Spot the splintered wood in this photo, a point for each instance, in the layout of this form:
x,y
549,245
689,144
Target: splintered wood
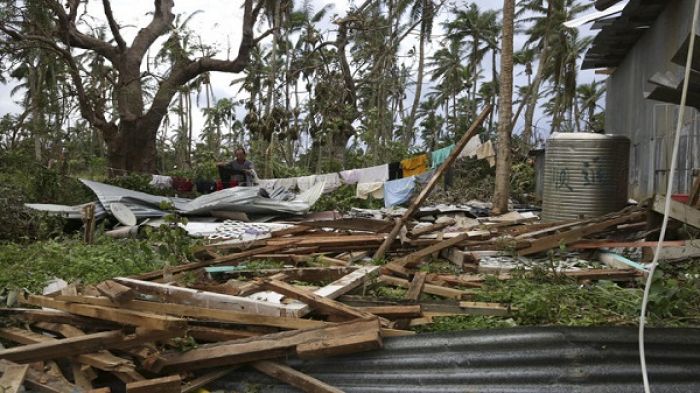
x,y
157,334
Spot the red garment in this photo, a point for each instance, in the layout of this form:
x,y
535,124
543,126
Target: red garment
x,y
180,184
220,185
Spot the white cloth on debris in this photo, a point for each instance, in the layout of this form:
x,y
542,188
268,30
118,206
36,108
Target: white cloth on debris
x,y
305,182
373,174
267,184
470,149
161,182
487,152
373,189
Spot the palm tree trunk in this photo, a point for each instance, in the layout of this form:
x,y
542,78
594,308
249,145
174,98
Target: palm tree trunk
x,y
408,134
534,94
503,159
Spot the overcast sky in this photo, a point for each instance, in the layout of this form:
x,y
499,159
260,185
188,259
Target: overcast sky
x,y
219,25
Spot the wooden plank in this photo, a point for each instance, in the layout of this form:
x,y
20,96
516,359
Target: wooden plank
x,y
126,317
597,244
366,341
481,308
115,291
204,313
423,229
416,287
204,380
412,259
268,346
204,299
315,301
169,384
670,253
83,375
13,378
32,315
392,312
293,377
694,192
678,211
224,259
423,195
554,241
62,348
213,335
427,288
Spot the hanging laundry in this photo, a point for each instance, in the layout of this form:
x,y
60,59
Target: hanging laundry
x,y
332,182
487,152
395,170
379,173
397,192
373,189
350,176
439,156
424,178
305,182
161,182
414,165
471,147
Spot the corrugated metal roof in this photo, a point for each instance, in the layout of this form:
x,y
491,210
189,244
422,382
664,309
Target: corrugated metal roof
x,y
520,360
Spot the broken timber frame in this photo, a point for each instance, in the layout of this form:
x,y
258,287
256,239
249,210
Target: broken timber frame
x,y
415,204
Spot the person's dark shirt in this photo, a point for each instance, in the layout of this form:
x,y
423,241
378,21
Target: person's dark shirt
x,y
238,172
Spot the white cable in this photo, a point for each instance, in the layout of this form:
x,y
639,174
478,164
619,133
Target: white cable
x,y
669,190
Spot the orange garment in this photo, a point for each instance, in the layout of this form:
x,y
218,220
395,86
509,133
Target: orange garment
x,y
415,165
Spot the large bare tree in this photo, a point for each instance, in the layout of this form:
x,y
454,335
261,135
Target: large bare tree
x,y
131,126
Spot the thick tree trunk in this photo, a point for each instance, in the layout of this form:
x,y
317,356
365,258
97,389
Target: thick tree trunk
x,y
503,158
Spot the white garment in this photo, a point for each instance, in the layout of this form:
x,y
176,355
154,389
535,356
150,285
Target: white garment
x,y
332,182
486,152
374,189
470,149
305,182
161,182
350,176
379,173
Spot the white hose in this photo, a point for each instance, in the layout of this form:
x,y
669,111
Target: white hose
x,y
669,190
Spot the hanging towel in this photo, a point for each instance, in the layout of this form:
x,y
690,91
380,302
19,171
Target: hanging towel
x,y
375,189
486,152
397,192
439,156
395,170
379,173
350,176
470,149
305,182
414,165
332,182
424,178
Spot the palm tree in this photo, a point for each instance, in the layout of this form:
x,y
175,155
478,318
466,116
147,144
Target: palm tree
x,y
503,159
447,69
588,95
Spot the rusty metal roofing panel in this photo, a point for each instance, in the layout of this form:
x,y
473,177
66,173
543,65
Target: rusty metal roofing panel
x,y
520,360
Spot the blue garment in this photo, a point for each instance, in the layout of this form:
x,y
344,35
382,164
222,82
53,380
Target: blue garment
x,y
440,155
398,191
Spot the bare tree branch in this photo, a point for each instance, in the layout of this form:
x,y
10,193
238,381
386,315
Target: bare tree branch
x,y
163,18
113,26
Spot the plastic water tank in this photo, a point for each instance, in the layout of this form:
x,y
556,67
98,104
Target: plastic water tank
x,y
585,175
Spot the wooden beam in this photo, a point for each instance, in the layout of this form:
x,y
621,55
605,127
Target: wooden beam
x,y
423,195
679,211
202,313
115,291
416,287
293,377
268,346
62,348
125,317
45,382
367,341
13,378
481,308
427,288
320,303
393,312
411,260
204,299
169,384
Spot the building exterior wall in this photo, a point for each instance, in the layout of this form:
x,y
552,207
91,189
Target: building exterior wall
x,y
650,125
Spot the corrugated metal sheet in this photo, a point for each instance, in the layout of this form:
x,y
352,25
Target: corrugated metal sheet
x,y
585,175
524,360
